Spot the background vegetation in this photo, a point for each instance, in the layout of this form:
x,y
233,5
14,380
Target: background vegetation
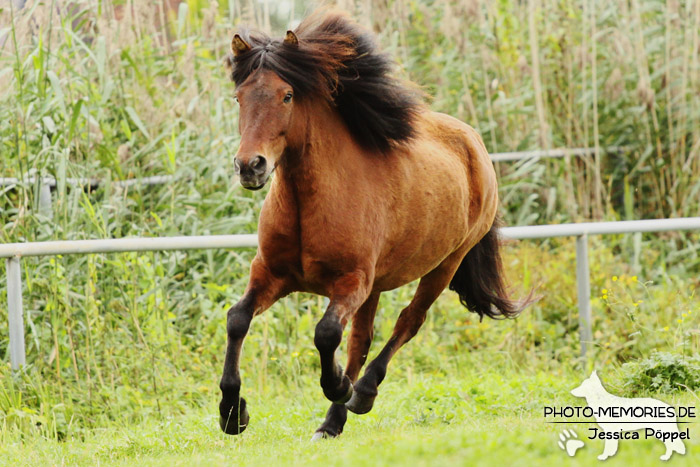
x,y
115,90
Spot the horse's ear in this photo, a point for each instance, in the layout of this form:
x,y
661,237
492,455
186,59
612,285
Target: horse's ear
x,y
291,38
238,45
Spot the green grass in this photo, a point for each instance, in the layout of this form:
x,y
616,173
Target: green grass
x,y
464,418
145,345
124,351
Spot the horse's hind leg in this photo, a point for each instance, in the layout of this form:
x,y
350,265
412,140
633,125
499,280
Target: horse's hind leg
x,y
348,294
409,322
359,341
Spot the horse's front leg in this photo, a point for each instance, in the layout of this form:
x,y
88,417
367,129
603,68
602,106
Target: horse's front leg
x,y
347,294
263,290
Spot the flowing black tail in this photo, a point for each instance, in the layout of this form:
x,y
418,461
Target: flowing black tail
x,y
479,281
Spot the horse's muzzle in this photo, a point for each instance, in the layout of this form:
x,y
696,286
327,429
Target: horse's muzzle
x,y
253,173
253,185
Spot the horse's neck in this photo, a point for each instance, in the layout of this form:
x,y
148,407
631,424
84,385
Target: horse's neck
x,y
322,151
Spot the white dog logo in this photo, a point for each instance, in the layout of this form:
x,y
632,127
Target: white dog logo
x,y
652,417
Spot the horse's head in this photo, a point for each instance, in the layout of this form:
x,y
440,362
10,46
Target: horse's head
x,y
266,103
282,84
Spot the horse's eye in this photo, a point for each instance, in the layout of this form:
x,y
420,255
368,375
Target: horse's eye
x,y
235,98
288,98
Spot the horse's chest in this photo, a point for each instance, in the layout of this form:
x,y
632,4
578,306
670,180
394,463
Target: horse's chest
x,y
314,242
313,254
279,236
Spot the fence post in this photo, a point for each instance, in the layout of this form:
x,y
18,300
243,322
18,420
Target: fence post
x,y
584,293
14,303
45,204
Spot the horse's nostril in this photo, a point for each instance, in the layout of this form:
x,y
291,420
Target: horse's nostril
x,y
258,163
237,165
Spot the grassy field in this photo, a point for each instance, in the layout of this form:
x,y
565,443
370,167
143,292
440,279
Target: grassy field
x,y
467,417
125,351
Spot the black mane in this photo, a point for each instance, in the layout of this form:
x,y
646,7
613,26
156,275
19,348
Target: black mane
x,y
339,61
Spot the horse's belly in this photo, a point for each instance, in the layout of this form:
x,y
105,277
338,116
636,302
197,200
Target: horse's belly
x,y
419,252
416,265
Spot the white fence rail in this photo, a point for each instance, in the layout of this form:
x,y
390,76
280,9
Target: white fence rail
x,y
550,153
15,251
47,183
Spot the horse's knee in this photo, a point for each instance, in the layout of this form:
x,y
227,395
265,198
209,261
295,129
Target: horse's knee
x,y
237,322
329,333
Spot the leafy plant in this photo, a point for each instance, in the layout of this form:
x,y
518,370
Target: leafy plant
x,y
662,372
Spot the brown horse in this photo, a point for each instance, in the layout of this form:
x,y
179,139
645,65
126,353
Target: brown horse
x,y
371,191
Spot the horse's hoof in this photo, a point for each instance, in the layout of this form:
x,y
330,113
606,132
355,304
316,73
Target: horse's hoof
x,y
359,403
347,395
229,423
333,395
319,435
230,427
